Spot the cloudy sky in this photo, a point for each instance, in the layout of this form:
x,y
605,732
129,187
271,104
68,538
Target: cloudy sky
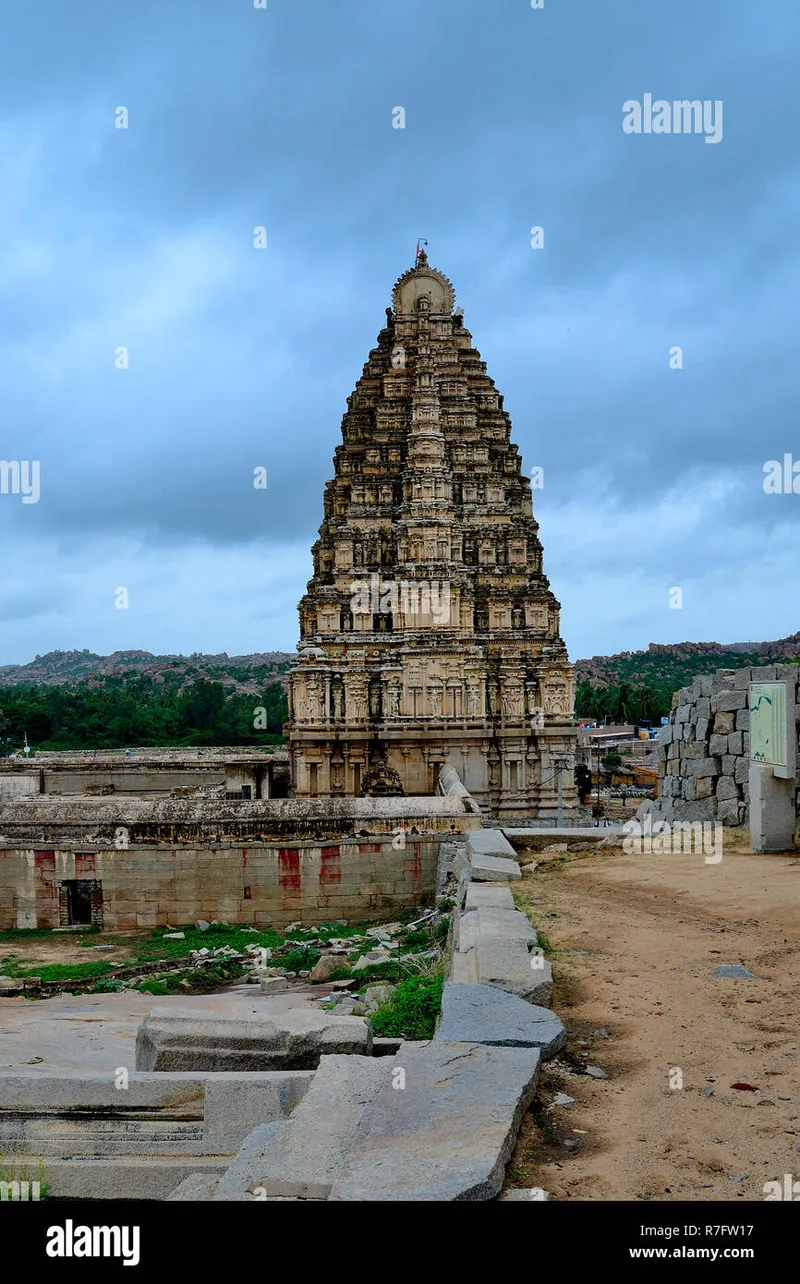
x,y
282,117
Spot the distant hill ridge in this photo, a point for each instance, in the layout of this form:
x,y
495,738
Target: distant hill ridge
x,y
245,673
675,663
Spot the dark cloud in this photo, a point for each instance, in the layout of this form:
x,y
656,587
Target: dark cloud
x,y
143,238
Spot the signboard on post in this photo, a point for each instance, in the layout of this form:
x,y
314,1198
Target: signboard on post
x,y
769,732
773,761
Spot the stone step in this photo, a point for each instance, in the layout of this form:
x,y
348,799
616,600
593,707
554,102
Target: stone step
x,y
174,1039
126,1177
90,1128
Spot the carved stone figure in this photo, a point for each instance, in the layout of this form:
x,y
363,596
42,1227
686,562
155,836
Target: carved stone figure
x,y
337,698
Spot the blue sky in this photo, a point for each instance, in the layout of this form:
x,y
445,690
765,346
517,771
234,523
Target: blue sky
x,y
143,237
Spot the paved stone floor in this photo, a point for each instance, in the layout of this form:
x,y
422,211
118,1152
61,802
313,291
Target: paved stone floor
x,y
97,1032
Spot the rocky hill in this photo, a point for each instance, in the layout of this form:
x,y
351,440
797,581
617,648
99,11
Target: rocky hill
x,y
243,673
675,664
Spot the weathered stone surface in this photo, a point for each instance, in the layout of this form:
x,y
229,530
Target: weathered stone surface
x,y
703,788
767,673
196,1188
742,771
724,723
484,1014
169,1039
735,744
234,1105
718,745
726,788
725,701
701,729
729,812
376,995
324,969
489,842
693,810
449,1133
494,869
743,720
510,966
706,767
523,1194
302,1156
508,925
273,984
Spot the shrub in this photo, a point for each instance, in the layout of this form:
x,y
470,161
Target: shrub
x,y
412,1010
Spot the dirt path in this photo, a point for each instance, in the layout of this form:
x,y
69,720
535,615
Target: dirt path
x,y
635,940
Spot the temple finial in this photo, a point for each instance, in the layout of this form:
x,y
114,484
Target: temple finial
x,y
422,257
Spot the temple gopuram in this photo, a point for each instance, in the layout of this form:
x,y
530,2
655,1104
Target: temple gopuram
x,y
429,633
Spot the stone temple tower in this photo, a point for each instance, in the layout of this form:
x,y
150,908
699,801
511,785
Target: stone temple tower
x,y
429,633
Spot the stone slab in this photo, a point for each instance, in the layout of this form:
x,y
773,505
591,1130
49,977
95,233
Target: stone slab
x,y
234,1106
196,1187
484,1014
448,1133
121,1178
302,1156
488,923
489,842
493,869
488,896
293,1040
510,966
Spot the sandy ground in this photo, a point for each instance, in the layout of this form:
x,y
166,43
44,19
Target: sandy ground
x,y
96,1033
635,941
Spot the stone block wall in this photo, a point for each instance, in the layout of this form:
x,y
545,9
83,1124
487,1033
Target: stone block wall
x,y
271,883
704,760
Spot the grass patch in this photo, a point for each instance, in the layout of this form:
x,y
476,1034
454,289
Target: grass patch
x,y
412,1010
201,980
298,960
60,971
24,933
10,1171
154,947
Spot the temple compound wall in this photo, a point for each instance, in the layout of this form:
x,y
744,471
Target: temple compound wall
x,y
148,772
131,864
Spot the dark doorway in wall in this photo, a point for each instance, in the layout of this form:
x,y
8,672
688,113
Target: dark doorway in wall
x,y
247,792
79,901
